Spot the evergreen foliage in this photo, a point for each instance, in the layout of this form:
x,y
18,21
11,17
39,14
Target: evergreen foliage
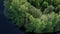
x,y
38,16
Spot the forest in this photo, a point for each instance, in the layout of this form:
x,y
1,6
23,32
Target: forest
x,y
38,16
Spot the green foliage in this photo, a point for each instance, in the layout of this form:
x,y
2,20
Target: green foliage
x,y
38,16
42,4
45,4
35,12
57,9
49,9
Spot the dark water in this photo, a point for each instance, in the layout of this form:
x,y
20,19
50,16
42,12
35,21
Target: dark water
x,y
7,27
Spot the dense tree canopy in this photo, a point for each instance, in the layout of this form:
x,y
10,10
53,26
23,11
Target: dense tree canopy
x,y
38,16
